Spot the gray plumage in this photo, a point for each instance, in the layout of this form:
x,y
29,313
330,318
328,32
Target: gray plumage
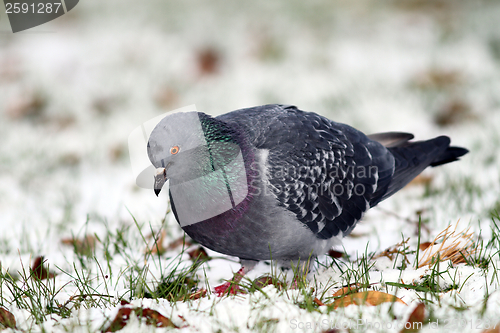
x,y
305,181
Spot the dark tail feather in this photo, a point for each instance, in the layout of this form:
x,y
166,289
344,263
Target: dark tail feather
x,y
411,158
449,155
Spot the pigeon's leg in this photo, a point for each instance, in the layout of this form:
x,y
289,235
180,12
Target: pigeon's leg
x,y
231,287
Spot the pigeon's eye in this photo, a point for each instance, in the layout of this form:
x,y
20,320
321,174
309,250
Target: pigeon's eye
x,y
174,150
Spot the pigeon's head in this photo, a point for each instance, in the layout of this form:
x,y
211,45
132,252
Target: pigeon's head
x,y
189,145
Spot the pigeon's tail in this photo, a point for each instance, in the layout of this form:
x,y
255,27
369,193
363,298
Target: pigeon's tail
x,y
449,155
411,158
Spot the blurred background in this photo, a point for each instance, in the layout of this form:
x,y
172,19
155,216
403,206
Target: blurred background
x,y
72,90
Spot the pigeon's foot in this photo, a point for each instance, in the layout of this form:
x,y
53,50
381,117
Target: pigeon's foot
x,y
231,287
298,282
228,288
295,284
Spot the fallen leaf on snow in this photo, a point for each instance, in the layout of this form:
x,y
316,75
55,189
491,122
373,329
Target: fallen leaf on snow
x,y
318,302
424,246
421,180
335,254
347,290
157,246
7,319
152,317
29,105
437,78
394,251
455,111
179,242
415,320
208,60
39,271
166,97
198,294
267,280
84,246
198,254
370,298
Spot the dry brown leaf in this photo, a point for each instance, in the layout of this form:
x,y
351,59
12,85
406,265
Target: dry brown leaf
x,y
436,78
156,246
39,271
424,246
7,319
199,294
70,159
393,251
62,122
84,246
208,61
318,302
117,152
120,320
495,329
29,105
104,105
263,281
179,242
347,290
152,317
166,97
416,317
267,280
421,180
370,298
455,111
335,254
198,254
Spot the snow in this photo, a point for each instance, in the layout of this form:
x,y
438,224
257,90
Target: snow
x,y
105,68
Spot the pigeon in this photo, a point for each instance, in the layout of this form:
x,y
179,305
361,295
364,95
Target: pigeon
x,y
275,182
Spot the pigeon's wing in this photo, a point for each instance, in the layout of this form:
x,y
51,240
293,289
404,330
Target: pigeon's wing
x,y
324,172
328,174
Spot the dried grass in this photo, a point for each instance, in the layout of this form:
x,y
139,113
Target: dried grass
x,y
449,245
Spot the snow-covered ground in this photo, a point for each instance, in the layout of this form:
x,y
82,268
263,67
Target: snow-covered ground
x,y
72,90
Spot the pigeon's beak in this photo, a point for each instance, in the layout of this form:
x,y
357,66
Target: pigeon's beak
x,y
160,179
